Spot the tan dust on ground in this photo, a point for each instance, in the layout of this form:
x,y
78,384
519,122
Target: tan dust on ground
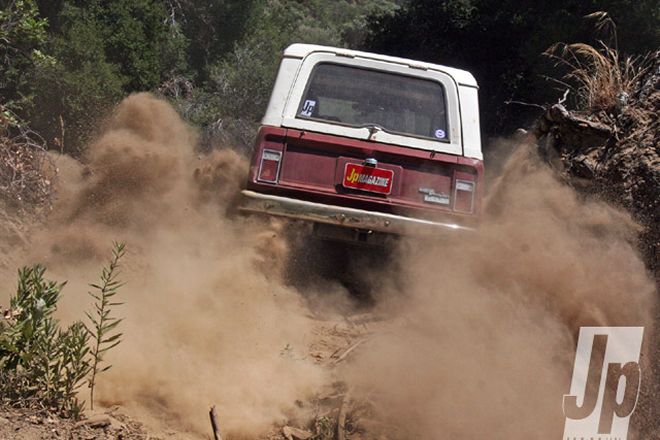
x,y
479,335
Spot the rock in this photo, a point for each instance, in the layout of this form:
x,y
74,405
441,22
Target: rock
x,y
520,133
3,421
95,421
116,424
294,433
582,167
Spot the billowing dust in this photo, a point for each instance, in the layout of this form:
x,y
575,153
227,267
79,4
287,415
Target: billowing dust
x,y
485,341
201,324
480,335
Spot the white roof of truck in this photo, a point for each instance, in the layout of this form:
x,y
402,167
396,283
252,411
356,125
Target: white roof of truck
x,y
462,77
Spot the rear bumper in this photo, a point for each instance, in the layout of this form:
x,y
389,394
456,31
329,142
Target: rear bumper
x,y
254,202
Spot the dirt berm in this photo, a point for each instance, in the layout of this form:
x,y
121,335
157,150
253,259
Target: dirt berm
x,y
615,156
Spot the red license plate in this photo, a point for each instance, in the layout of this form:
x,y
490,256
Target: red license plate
x,y
370,179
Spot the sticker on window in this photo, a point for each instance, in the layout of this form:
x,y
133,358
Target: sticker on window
x,y
308,108
440,133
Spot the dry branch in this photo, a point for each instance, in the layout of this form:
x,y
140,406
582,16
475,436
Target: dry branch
x,y
214,423
349,350
341,418
26,169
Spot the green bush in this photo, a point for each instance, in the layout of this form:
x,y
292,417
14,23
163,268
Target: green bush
x,y
23,38
65,64
42,363
70,97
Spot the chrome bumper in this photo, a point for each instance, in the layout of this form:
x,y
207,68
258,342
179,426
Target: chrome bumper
x,y
254,202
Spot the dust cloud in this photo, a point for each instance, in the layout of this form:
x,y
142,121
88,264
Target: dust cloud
x,y
484,325
480,334
201,324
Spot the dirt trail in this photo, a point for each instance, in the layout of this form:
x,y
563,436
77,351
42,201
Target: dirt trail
x,y
202,324
469,338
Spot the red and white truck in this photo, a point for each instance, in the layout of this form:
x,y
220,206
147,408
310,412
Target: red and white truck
x,y
361,144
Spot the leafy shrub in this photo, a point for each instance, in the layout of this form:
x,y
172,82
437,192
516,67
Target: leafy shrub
x,y
23,38
245,76
71,94
65,64
102,322
42,363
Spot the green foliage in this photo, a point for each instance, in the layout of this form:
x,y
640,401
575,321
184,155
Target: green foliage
x,y
35,301
211,29
84,56
136,36
39,360
103,324
83,59
72,93
42,363
245,76
22,40
66,63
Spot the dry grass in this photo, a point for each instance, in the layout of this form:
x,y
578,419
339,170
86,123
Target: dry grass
x,y
596,75
600,80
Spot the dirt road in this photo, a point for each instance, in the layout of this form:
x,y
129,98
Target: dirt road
x,y
467,337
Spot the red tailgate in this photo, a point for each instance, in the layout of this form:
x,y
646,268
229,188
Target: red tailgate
x,y
350,172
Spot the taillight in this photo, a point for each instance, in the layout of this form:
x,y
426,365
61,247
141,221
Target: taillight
x,y
464,196
270,166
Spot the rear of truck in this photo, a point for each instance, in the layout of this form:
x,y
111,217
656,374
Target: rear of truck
x,y
359,143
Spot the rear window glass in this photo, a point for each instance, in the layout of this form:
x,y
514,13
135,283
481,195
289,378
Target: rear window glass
x,y
360,98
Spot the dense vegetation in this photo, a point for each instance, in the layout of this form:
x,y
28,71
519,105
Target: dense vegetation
x,y
64,63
